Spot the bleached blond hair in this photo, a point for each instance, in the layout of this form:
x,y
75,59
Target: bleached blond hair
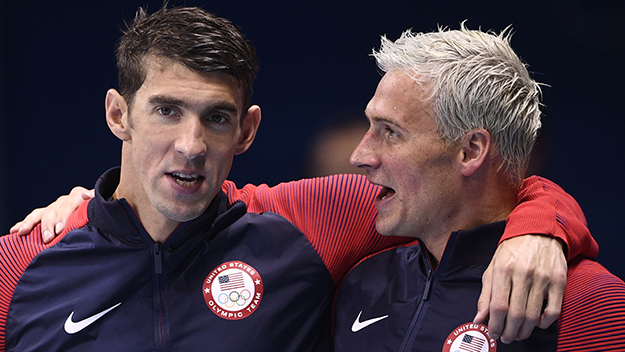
x,y
475,81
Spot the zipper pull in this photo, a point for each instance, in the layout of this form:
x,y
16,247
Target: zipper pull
x,y
158,260
428,283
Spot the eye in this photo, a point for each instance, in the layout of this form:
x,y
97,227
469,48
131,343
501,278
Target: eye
x,y
217,118
391,132
166,111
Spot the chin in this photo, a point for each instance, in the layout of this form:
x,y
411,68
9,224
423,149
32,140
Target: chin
x,y
183,215
383,230
393,229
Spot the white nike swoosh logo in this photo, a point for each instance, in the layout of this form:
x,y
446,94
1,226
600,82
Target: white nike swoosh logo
x,y
359,325
74,327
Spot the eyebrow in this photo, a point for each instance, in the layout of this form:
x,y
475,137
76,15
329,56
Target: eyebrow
x,y
387,121
167,100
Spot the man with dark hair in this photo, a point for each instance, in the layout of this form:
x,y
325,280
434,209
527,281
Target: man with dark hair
x,y
169,256
461,109
214,45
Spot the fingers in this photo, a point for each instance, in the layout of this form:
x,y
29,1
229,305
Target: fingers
x,y
25,226
554,296
87,193
529,305
522,286
483,302
502,286
54,217
15,228
50,227
525,311
525,273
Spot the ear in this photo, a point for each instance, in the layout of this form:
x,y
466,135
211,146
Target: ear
x,y
474,151
251,120
117,115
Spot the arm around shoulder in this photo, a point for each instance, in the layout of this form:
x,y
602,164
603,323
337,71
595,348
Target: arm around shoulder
x,y
545,208
526,270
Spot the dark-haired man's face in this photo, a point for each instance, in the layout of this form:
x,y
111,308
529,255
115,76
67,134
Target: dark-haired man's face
x,y
185,130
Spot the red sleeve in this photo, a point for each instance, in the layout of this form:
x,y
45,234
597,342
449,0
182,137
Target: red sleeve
x,y
593,309
335,213
545,208
17,252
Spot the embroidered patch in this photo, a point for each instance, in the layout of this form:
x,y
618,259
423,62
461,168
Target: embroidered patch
x,y
233,290
470,337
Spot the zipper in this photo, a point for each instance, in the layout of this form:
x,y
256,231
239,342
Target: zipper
x,y
159,336
406,344
428,285
158,258
160,323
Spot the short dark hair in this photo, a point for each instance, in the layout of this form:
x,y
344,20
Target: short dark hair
x,y
190,36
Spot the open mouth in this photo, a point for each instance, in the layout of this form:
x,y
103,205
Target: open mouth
x,y
185,180
386,193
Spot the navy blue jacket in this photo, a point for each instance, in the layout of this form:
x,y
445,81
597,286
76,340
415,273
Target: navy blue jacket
x,y
157,292
394,301
255,272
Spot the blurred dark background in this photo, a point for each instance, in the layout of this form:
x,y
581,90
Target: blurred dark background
x,y
57,61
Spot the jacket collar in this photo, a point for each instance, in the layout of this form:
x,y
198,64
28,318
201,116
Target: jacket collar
x,y
471,248
117,218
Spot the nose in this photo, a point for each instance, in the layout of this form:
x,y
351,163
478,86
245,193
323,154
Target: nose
x,y
364,156
191,142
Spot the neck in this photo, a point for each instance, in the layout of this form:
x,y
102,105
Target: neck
x,y
155,225
480,202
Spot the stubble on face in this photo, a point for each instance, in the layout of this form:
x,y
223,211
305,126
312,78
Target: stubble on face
x,y
185,128
404,154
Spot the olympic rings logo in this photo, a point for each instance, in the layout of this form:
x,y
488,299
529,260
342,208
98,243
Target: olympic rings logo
x,y
234,298
233,290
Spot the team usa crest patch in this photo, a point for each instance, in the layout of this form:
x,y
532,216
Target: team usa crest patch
x,y
470,337
233,290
